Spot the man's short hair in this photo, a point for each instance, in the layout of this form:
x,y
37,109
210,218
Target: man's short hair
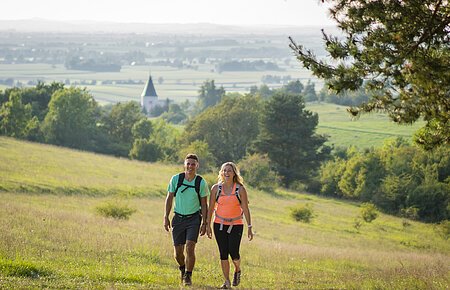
x,y
191,156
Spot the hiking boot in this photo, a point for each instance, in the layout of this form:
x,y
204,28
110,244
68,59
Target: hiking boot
x,y
225,285
187,279
236,278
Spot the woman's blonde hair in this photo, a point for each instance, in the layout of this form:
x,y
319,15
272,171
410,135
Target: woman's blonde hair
x,y
237,178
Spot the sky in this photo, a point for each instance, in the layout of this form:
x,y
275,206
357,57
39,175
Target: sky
x,y
229,12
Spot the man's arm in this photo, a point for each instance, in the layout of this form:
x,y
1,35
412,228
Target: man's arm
x,y
204,206
168,208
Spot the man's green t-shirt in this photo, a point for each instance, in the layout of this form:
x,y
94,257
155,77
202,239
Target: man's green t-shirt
x,y
187,202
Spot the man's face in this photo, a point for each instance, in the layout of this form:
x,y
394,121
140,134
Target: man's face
x,y
190,165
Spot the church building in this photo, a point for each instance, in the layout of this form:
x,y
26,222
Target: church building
x,y
149,98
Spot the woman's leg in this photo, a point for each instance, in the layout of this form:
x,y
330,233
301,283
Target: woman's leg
x,y
225,269
234,243
222,242
237,265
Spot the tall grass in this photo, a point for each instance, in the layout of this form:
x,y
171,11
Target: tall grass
x,y
51,240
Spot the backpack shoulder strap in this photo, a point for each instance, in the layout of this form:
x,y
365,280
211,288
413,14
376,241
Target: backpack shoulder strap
x,y
180,182
219,191
236,192
198,181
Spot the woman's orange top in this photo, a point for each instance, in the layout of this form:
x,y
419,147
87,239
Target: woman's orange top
x,y
228,206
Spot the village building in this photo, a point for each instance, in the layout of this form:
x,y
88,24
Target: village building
x,y
149,98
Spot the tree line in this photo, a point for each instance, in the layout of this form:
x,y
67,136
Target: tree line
x,y
398,178
268,132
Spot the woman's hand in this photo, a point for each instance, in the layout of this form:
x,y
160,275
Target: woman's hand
x,y
208,231
250,234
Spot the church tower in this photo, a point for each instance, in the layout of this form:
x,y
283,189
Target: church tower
x,y
149,98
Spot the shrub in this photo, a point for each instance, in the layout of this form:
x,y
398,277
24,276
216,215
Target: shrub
x,y
114,210
368,212
145,150
19,268
303,213
431,200
257,172
410,213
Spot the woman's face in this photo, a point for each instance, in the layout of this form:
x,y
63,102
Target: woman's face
x,y
228,173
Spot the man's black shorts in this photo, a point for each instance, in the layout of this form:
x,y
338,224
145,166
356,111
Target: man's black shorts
x,y
185,228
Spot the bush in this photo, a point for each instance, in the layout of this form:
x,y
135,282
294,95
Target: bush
x,y
117,211
303,213
368,212
410,213
145,150
257,172
432,200
19,268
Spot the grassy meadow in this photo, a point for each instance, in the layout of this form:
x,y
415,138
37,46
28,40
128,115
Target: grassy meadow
x,y
369,130
53,237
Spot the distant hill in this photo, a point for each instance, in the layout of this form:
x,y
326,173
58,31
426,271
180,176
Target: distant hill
x,y
43,25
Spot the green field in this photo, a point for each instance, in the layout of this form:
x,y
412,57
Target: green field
x,y
52,236
370,130
178,85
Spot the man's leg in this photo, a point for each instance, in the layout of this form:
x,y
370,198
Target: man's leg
x,y
179,255
190,255
192,231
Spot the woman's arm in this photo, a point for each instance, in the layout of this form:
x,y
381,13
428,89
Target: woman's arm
x,y
212,203
246,210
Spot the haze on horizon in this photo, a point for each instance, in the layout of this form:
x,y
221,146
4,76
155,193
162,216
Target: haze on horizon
x,y
228,12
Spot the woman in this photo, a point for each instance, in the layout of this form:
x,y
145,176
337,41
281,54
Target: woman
x,y
229,202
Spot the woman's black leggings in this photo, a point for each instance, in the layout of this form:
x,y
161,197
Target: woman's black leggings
x,y
229,243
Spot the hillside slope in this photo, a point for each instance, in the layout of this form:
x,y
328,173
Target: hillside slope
x,y
52,236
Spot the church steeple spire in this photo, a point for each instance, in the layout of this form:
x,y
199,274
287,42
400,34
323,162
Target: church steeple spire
x,y
149,97
149,89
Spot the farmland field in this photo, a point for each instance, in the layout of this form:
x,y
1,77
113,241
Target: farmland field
x,y
53,237
370,130
177,85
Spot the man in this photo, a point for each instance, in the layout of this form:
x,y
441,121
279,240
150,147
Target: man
x,y
190,192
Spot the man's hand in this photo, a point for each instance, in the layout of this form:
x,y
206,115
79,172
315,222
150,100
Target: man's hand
x,y
203,229
166,223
